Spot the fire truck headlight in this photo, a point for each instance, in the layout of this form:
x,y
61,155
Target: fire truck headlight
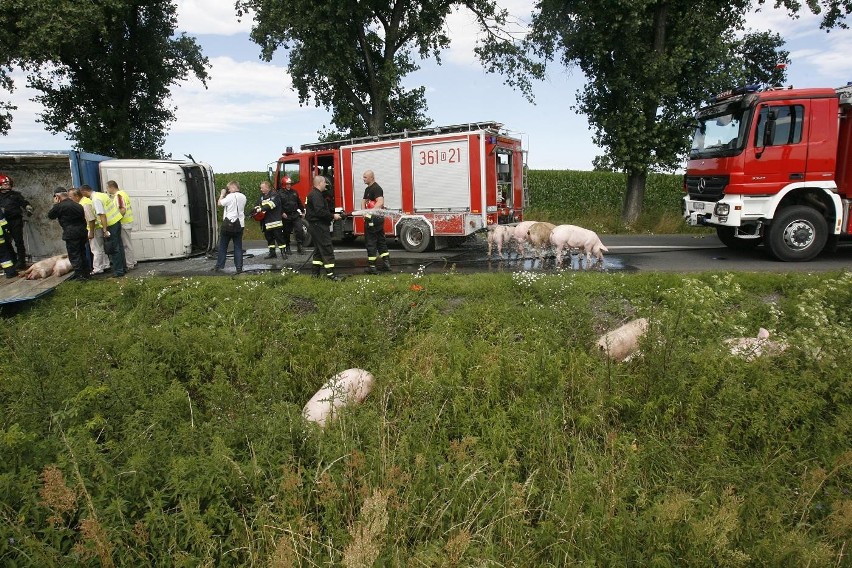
x,y
722,209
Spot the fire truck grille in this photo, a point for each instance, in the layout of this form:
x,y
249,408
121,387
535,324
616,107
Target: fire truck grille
x,y
706,188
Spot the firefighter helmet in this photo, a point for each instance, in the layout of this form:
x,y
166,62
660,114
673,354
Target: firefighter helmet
x,y
4,179
286,180
258,215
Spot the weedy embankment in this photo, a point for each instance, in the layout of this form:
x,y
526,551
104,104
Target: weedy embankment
x,y
158,421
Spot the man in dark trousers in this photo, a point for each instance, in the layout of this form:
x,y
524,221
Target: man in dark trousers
x,y
293,211
75,230
319,216
14,205
374,225
273,225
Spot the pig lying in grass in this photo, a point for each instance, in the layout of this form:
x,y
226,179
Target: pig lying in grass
x,y
574,237
539,237
499,235
521,236
622,343
750,348
43,268
343,389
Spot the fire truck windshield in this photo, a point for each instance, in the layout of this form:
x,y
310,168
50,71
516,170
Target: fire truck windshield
x,y
720,133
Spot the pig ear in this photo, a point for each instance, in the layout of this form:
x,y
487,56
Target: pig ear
x,y
762,334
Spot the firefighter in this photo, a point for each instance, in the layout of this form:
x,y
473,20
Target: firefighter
x,y
14,205
270,203
293,213
319,216
6,262
374,225
259,215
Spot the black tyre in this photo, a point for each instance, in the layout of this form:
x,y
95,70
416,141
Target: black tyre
x,y
728,237
414,235
797,234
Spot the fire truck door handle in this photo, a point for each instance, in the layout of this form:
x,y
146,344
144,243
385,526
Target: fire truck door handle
x,y
797,177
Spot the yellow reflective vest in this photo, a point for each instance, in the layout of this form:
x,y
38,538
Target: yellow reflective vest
x,y
128,210
84,201
113,215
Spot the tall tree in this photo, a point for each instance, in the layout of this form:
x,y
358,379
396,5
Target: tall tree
x,y
104,69
350,57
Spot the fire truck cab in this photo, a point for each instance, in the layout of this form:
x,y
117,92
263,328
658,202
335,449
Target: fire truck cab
x,y
773,167
440,184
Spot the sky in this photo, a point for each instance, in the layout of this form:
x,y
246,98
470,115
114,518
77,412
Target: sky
x,y
249,114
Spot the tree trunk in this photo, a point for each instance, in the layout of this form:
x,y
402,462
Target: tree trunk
x,y
634,197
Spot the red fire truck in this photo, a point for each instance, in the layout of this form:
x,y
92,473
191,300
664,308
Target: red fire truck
x,y
440,184
774,167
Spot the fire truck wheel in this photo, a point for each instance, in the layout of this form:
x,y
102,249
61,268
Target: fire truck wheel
x,y
414,236
797,234
728,237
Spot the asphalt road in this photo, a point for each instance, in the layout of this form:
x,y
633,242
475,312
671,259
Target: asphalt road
x,y
627,253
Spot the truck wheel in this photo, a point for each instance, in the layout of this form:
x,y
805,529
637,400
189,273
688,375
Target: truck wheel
x,y
797,234
414,236
728,237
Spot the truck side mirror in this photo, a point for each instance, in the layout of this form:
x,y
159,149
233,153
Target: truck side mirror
x,y
769,132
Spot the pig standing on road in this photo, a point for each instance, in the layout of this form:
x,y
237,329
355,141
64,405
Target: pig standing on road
x,y
539,237
574,237
499,235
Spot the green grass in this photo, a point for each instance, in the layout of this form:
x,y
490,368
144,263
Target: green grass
x,y
157,421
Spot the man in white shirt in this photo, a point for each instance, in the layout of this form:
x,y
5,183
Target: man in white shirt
x,y
233,223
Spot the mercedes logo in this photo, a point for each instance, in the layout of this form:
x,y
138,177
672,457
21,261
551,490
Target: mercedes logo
x,y
702,185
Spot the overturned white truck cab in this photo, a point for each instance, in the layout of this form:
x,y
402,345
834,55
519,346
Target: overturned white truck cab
x,y
174,201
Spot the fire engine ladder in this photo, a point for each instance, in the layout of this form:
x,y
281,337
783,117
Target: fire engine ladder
x,y
432,131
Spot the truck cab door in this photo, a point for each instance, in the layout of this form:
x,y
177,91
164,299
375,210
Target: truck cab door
x,y
777,153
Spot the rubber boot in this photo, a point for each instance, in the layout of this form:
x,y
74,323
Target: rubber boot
x,y
299,248
271,253
333,277
385,267
371,269
283,252
316,270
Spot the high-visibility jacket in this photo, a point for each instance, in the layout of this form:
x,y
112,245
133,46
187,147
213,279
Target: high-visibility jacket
x,y
128,210
113,215
271,203
5,258
84,201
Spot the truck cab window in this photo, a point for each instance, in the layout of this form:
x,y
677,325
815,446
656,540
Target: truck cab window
x,y
290,170
787,121
719,133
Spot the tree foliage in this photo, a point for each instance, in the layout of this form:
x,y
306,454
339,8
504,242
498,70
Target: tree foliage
x,y
104,69
351,57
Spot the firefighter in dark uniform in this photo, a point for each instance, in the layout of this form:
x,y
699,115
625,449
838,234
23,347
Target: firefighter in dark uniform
x,y
374,225
6,263
270,203
291,203
259,216
14,205
319,216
